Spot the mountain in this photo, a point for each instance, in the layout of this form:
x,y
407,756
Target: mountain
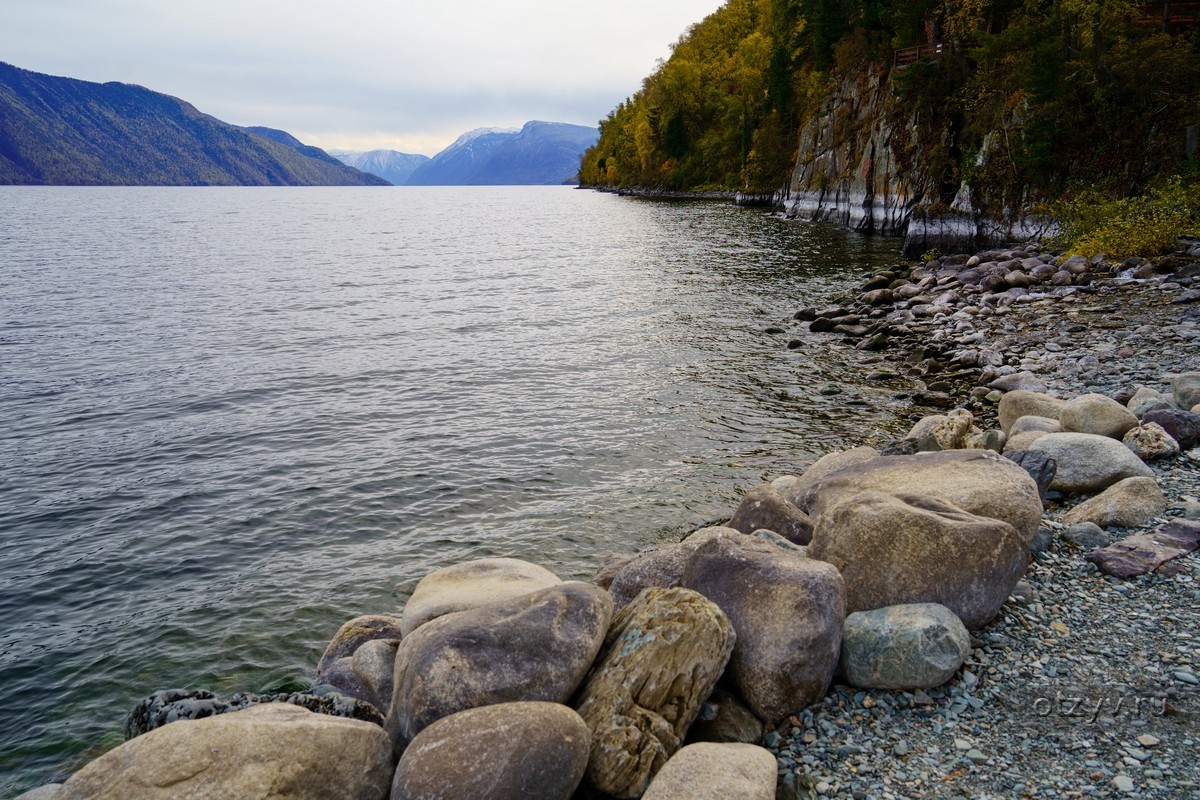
x,y
390,165
65,131
540,153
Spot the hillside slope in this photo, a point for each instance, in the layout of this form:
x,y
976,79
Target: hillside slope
x,y
70,132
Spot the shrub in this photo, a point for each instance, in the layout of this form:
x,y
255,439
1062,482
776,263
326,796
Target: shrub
x,y
1150,224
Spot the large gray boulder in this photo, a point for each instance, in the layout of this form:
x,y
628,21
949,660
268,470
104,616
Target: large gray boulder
x,y
1088,462
709,771
763,507
976,481
472,584
1146,399
1130,503
794,486
787,611
274,750
1015,405
509,751
662,657
895,549
1030,423
535,647
1186,389
915,646
1098,414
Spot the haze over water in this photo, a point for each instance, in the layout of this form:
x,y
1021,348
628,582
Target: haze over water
x,y
235,418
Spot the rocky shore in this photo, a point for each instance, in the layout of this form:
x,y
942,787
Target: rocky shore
x,y
1002,603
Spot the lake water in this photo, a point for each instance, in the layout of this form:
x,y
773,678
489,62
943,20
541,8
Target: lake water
x,y
231,419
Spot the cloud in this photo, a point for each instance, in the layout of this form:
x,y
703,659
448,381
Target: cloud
x,y
392,73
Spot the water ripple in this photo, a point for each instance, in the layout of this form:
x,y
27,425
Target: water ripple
x,y
235,417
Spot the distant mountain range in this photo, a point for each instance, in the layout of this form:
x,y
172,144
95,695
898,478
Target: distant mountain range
x,y
65,131
392,166
543,153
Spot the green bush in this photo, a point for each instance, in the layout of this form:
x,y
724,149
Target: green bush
x,y
1147,225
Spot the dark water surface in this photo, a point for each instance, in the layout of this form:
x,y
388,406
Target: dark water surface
x,y
231,419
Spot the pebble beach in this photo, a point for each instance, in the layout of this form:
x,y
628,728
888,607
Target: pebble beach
x,y
1085,685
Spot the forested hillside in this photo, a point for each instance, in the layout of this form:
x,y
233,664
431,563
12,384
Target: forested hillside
x,y
1057,93
63,131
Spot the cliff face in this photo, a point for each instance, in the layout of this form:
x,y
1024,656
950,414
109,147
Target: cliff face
x,y
862,163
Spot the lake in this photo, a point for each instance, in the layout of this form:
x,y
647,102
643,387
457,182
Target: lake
x,y
231,419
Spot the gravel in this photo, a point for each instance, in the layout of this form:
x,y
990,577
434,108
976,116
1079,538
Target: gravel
x,y
1085,686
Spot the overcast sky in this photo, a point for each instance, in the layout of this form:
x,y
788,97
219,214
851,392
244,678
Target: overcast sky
x,y
360,74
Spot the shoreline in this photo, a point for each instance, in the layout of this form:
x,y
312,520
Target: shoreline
x,y
1078,665
869,743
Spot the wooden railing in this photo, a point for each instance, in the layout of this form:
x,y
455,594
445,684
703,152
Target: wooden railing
x,y
911,55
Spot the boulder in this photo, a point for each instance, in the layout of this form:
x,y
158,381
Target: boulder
x,y
508,751
710,771
612,564
662,657
273,750
1186,389
1020,381
535,647
1039,466
663,567
354,634
954,430
473,584
339,677
792,486
1148,552
1017,404
1085,535
1150,442
895,549
764,507
1088,462
1182,426
915,646
976,481
1021,442
787,611
725,718
1032,423
47,791
1146,399
374,666
1130,503
1097,414
780,542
